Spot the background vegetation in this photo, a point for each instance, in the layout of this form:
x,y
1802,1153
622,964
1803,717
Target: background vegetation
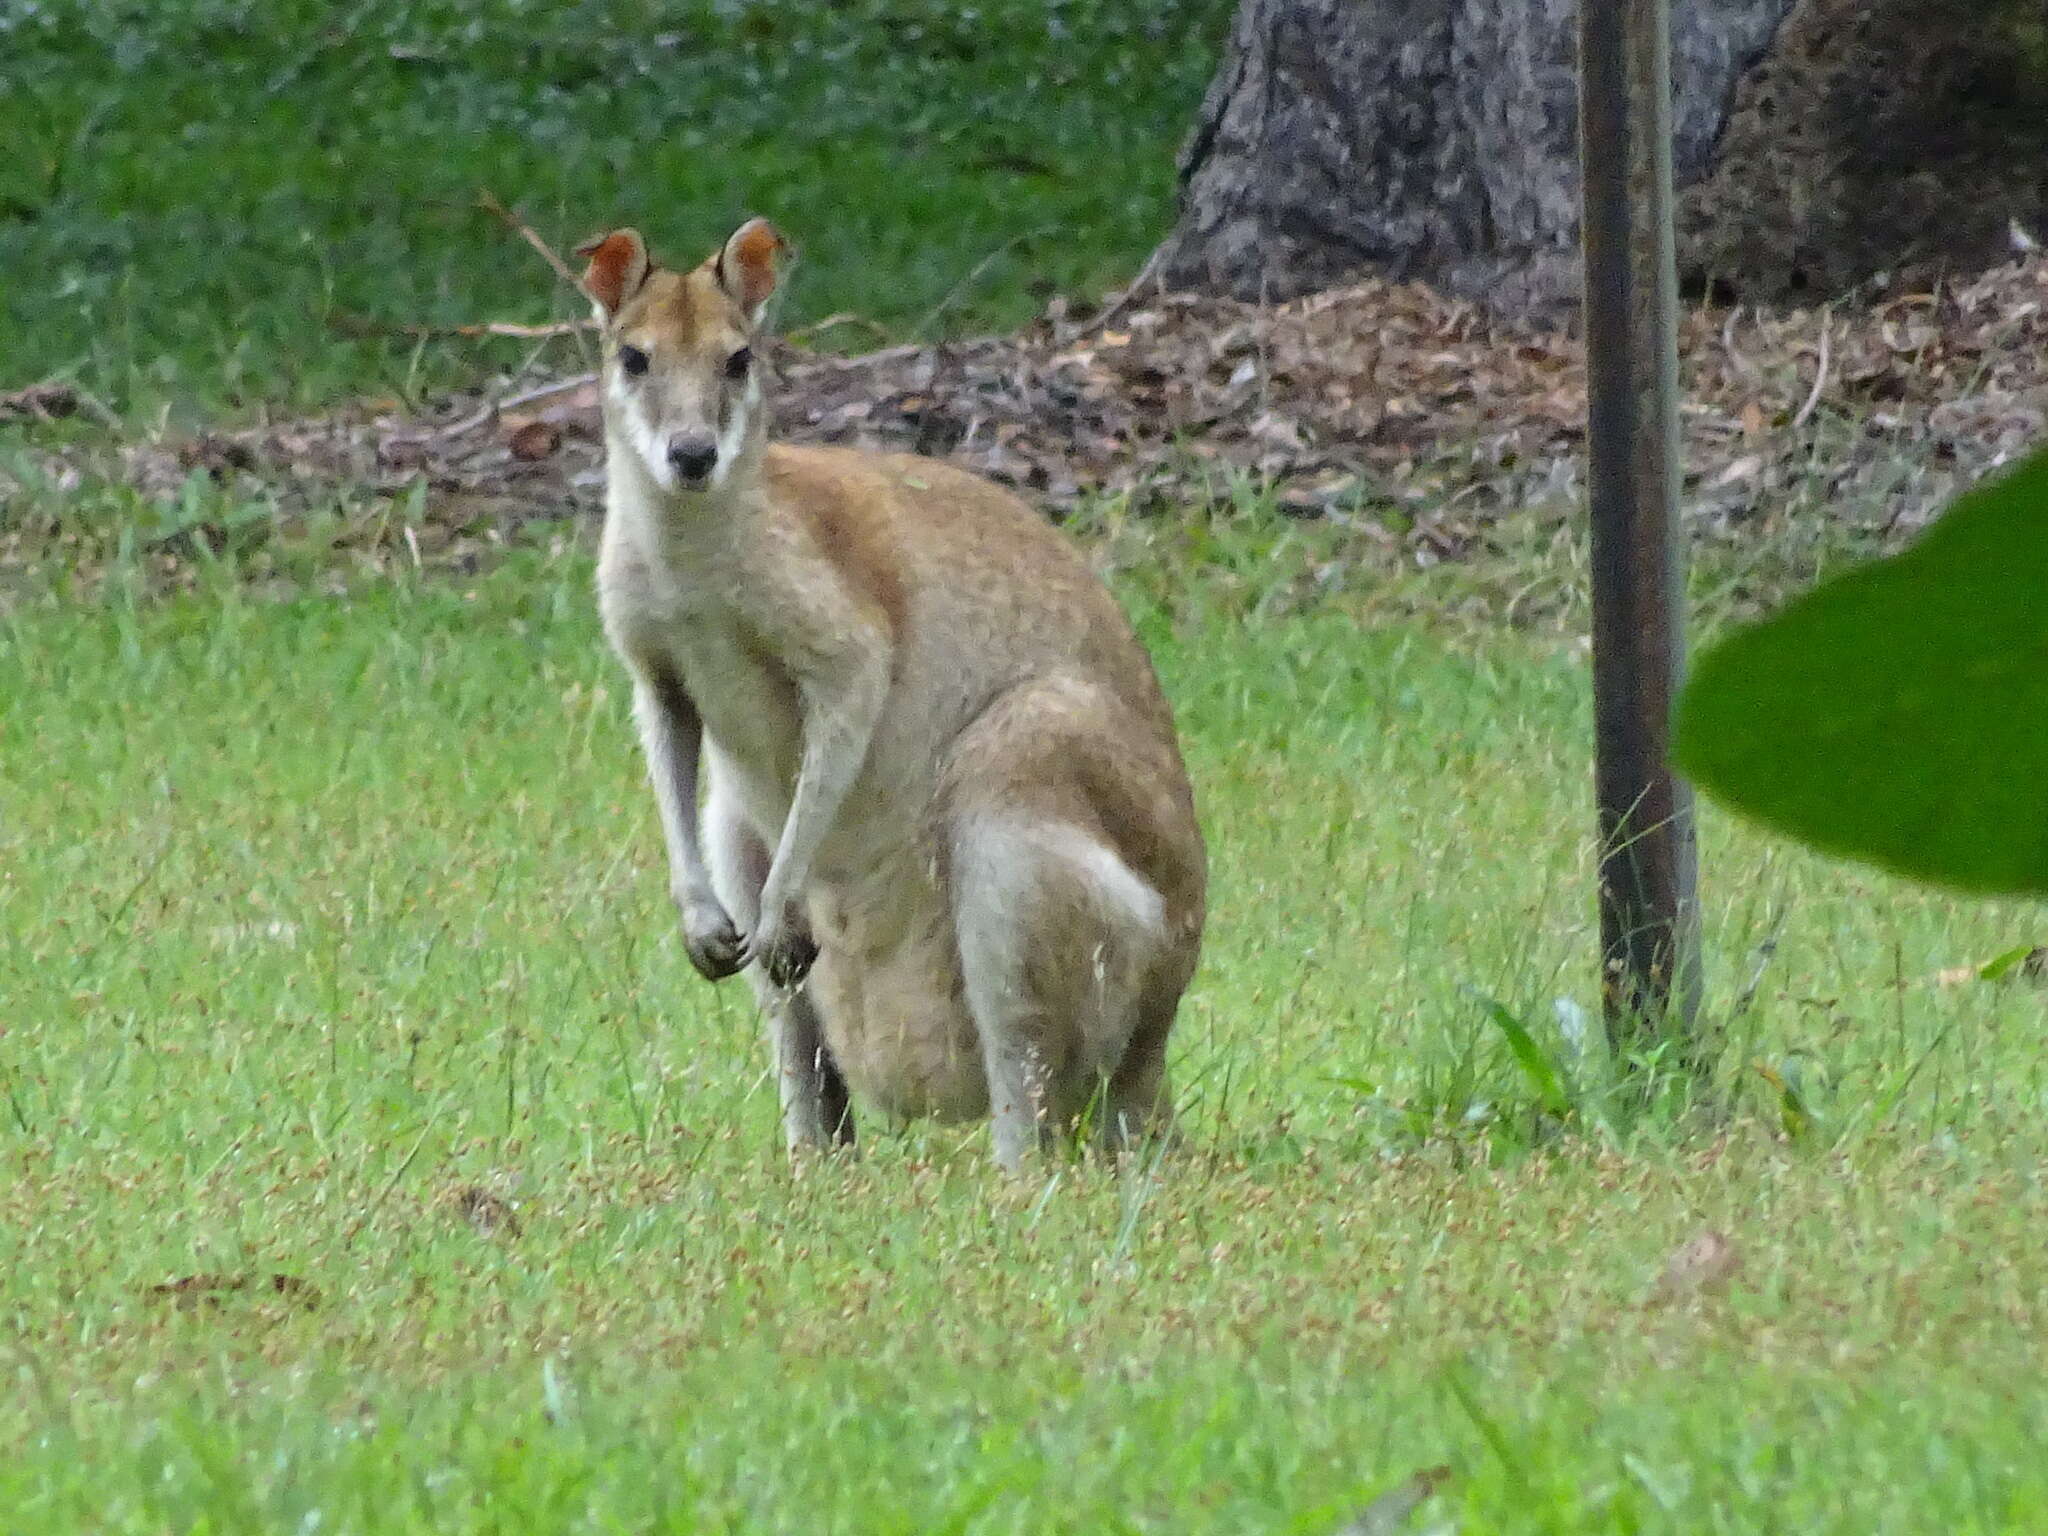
x,y
195,194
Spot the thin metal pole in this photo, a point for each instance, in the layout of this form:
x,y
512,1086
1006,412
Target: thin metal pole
x,y
1649,909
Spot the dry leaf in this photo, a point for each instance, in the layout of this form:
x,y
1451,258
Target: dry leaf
x,y
1704,1263
535,440
1364,380
402,453
486,1212
216,453
39,402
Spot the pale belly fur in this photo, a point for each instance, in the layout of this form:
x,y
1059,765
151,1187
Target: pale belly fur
x,y
887,989
886,983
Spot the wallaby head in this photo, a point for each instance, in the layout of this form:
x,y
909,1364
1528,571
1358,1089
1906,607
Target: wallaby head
x,y
682,391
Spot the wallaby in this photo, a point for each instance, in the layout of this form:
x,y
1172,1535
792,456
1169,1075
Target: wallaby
x,y
946,829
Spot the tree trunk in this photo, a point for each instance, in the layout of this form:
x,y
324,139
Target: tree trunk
x,y
1437,139
1876,136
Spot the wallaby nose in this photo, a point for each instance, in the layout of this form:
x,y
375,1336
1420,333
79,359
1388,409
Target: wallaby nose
x,y
692,457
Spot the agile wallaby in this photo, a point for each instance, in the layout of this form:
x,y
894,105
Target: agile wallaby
x,y
946,828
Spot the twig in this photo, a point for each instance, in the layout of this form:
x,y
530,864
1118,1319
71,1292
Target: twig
x,y
491,410
526,364
392,1182
1262,334
363,325
1820,375
1764,951
844,317
974,274
490,204
488,201
1736,357
863,360
1148,273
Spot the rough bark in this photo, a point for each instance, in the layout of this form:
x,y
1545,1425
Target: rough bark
x,y
1438,139
1877,137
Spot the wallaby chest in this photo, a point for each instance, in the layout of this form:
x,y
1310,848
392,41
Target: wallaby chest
x,y
747,701
698,636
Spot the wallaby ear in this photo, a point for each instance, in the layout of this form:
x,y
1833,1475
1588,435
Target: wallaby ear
x,y
618,266
746,265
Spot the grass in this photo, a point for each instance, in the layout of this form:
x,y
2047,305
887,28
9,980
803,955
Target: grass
x,y
196,194
322,914
332,917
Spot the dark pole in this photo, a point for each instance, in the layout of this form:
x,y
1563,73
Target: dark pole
x,y
1649,912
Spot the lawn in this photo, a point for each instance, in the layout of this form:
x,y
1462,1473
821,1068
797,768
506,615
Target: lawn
x,y
337,949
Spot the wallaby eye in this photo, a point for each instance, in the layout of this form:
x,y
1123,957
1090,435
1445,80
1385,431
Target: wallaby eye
x,y
633,360
736,365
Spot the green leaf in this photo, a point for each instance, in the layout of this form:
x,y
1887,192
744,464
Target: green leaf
x,y
1899,713
1998,965
1534,1061
1793,1113
1364,1087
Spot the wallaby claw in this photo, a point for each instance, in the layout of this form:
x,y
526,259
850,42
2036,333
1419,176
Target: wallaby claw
x,y
786,955
713,943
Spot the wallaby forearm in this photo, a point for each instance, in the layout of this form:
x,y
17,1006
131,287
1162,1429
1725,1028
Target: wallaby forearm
x,y
672,736
839,724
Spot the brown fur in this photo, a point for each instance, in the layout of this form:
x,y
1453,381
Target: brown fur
x,y
856,546
943,776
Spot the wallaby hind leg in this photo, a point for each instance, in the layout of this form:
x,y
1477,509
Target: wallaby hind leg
x,y
1054,932
816,1110
1137,1102
995,893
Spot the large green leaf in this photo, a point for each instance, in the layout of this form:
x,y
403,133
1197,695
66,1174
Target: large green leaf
x,y
1899,713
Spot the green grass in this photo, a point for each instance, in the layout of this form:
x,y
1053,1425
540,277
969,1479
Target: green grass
x,y
319,912
193,191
